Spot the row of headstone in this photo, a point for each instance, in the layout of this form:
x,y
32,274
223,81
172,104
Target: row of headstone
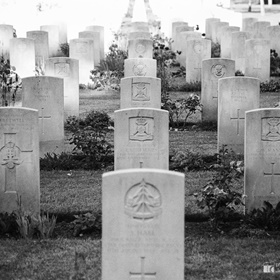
x,y
143,206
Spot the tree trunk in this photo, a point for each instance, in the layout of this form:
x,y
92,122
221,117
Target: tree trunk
x,y
262,7
250,6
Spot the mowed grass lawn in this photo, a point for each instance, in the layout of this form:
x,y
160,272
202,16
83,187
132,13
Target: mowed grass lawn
x,y
208,254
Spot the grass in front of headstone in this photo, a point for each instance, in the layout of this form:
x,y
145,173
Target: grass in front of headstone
x,y
209,254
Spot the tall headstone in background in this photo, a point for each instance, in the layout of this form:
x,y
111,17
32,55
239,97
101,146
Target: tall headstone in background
x,y
139,35
143,224
274,38
54,43
140,92
142,26
45,94
138,48
212,70
41,43
68,69
82,50
196,51
62,32
238,49
177,39
6,34
22,56
141,138
208,27
257,59
100,30
140,67
247,25
259,30
216,25
183,38
174,26
95,36
236,95
262,152
19,160
226,37
219,31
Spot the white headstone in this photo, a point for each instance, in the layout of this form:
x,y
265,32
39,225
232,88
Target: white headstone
x,y
238,49
274,37
174,26
236,95
82,49
22,56
219,31
259,30
139,26
140,67
212,70
226,44
19,160
143,225
68,69
247,25
95,36
141,138
262,151
140,92
53,30
100,29
41,42
177,39
140,48
215,26
196,51
257,59
6,34
139,35
208,27
45,94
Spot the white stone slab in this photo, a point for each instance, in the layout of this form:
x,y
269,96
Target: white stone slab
x,y
238,49
235,96
95,36
139,35
226,44
68,69
247,25
144,67
274,37
6,34
260,30
215,26
53,30
141,138
262,152
208,27
45,94
22,56
196,51
212,70
219,31
82,49
140,92
41,43
19,160
174,25
100,30
139,26
257,59
140,48
143,225
177,38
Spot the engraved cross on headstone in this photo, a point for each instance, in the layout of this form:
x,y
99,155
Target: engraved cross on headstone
x,y
272,174
43,117
238,118
142,275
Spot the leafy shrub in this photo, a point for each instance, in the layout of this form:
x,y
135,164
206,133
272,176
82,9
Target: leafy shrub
x,y
218,195
64,49
180,109
8,225
271,86
274,63
267,218
186,87
215,50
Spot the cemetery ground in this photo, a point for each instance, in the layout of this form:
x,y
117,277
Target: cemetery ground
x,y
209,253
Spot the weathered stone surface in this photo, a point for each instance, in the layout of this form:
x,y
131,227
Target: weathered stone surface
x,y
143,67
226,40
6,34
53,31
208,27
260,30
140,48
100,29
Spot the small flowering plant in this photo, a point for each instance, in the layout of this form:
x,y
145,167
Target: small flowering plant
x,y
219,195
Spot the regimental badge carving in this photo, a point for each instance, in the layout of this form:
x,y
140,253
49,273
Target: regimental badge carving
x,y
62,69
140,49
11,155
139,69
143,201
81,47
197,47
141,128
141,92
218,70
270,129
